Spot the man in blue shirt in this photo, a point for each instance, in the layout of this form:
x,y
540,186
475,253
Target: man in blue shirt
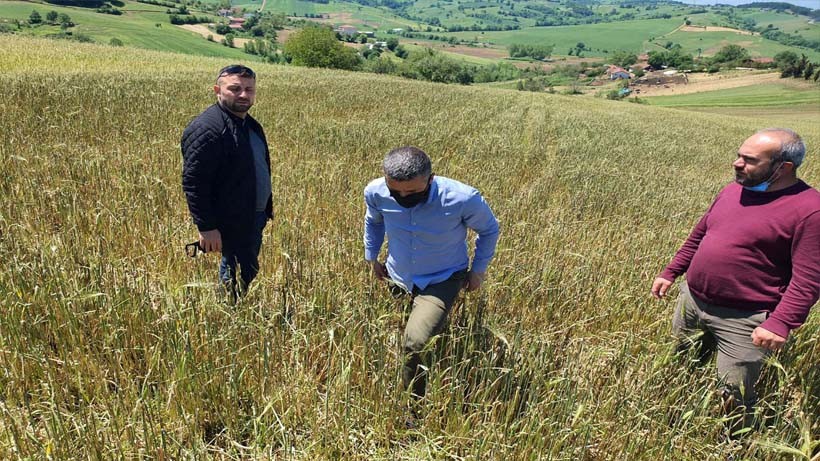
x,y
426,218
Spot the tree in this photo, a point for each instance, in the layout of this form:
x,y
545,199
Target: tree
x,y
65,21
623,58
401,52
392,43
786,61
731,54
115,42
809,71
52,16
229,40
316,46
35,18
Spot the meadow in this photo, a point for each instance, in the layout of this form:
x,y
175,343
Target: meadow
x,y
136,27
777,94
113,344
598,38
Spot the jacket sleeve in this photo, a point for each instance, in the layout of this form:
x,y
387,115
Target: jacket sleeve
x,y
200,154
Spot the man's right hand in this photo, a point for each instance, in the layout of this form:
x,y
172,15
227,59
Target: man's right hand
x,y
660,287
211,241
379,271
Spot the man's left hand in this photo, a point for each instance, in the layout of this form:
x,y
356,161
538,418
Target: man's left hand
x,y
474,280
762,337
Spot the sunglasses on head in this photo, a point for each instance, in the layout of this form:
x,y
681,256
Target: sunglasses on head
x,y
237,69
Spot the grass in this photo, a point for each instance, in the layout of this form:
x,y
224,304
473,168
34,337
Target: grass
x,y
626,35
711,42
113,344
770,95
137,27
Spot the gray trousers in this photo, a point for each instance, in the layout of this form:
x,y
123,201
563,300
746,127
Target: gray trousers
x,y
728,332
428,316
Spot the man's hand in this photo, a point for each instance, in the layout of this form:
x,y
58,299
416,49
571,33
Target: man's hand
x,y
660,287
762,337
474,280
211,241
379,271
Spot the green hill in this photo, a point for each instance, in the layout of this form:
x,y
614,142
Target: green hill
x,y
141,25
114,345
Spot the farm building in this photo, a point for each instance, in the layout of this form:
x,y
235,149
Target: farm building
x,y
616,73
236,23
347,30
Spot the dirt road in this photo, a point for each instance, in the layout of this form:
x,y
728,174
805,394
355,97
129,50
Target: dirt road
x,y
203,30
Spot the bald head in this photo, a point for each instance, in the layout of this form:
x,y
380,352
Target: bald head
x,y
784,144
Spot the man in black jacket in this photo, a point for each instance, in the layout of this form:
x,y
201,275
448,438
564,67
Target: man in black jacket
x,y
226,177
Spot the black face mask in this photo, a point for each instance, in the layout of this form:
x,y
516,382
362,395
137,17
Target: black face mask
x,y
411,200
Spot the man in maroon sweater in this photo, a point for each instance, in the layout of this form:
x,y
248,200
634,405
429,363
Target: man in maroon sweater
x,y
752,264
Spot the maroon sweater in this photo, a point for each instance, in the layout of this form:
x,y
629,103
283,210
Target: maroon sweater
x,y
757,251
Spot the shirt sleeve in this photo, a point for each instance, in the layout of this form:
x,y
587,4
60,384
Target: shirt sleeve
x,y
479,217
804,288
373,228
680,263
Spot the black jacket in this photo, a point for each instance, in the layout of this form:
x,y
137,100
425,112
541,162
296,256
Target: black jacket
x,y
218,175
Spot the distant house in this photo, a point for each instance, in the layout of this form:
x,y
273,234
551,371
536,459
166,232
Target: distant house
x,y
236,23
224,12
381,44
397,30
347,30
617,73
368,33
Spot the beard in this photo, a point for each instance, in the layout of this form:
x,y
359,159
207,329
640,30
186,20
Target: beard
x,y
753,180
237,106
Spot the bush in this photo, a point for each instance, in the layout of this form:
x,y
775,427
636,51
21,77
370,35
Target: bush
x,y
530,51
35,18
381,65
115,42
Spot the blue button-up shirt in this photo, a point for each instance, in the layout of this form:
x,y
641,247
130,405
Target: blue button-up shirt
x,y
427,243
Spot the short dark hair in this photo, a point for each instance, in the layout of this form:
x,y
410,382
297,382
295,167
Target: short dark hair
x,y
236,69
406,163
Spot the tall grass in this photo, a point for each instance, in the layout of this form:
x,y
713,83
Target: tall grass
x,y
114,346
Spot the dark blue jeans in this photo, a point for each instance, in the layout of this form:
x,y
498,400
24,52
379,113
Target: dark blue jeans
x,y
245,255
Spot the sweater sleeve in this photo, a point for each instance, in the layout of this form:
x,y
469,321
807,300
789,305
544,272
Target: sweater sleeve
x,y
680,263
804,288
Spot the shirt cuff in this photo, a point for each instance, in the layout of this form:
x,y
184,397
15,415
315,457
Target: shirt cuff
x,y
370,254
775,326
479,266
668,275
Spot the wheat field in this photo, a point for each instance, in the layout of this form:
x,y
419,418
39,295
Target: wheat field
x,y
113,344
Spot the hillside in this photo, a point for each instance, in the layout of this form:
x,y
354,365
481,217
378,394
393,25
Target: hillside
x,y
114,345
